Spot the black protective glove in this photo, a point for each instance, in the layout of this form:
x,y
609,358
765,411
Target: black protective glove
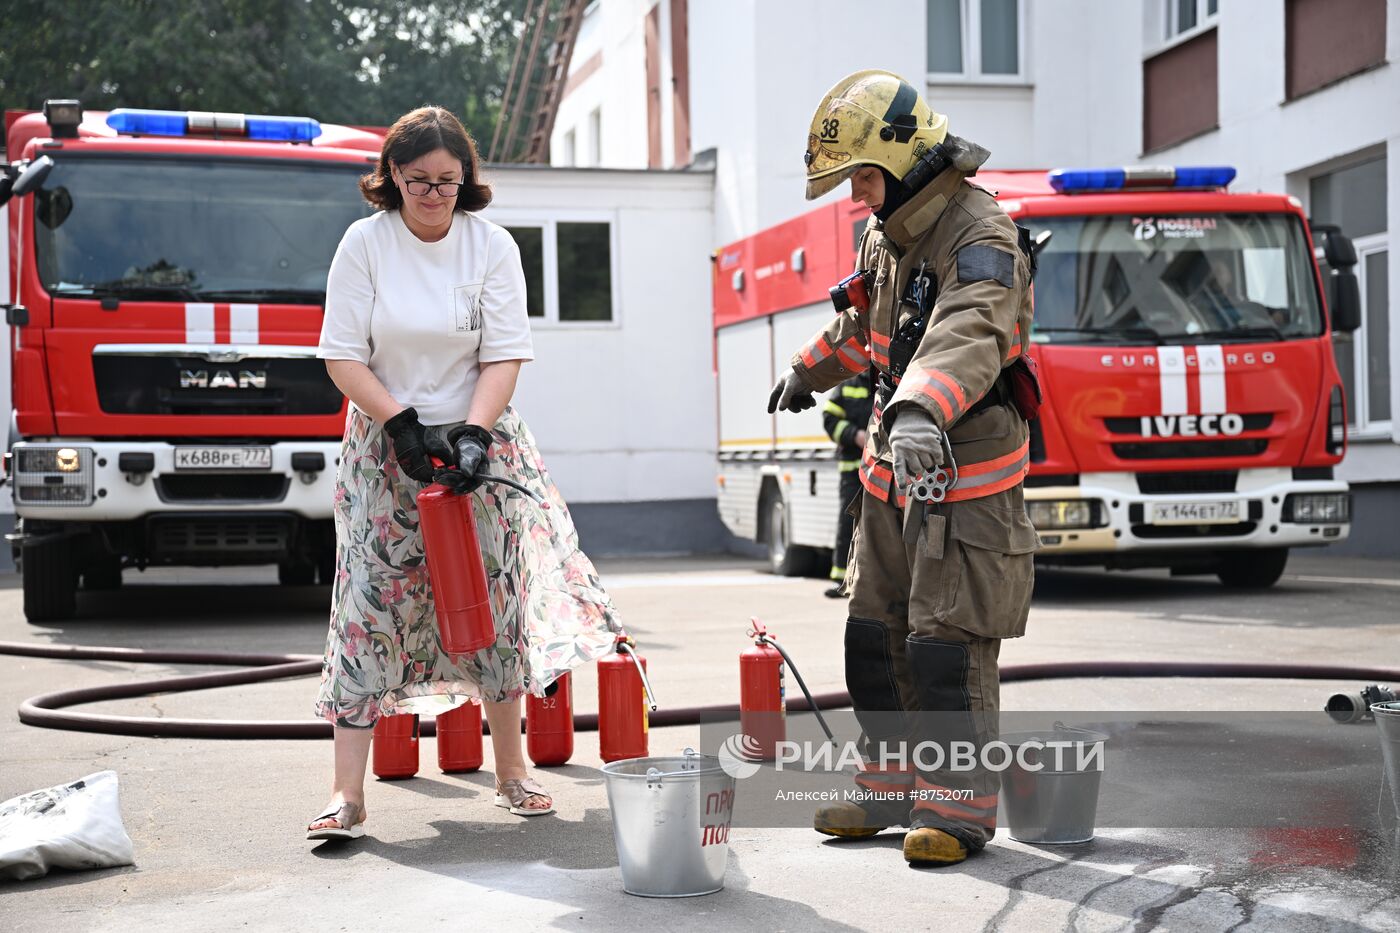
x,y
462,449
407,442
791,394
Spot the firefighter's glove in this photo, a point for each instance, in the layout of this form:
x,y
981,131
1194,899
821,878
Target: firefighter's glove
x,y
406,438
917,445
791,394
462,448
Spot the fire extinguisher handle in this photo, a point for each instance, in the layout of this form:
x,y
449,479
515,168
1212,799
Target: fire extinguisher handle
x,y
626,649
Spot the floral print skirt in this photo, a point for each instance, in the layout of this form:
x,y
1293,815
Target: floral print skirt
x,y
384,655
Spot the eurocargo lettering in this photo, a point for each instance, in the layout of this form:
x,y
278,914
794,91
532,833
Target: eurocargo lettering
x,y
167,277
1193,413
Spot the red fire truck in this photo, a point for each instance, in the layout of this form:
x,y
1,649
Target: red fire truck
x,y
1194,412
166,273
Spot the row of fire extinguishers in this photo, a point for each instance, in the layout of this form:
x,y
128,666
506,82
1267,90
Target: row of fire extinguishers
x,y
462,601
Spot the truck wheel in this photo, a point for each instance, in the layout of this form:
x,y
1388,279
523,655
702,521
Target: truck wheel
x,y
296,573
1253,570
785,559
103,574
50,581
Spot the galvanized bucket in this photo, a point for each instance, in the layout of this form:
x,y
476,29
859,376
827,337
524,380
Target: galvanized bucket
x,y
670,820
1388,725
1056,804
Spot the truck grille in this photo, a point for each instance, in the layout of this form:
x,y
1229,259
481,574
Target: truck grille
x,y
1254,422
1174,450
222,538
1201,481
222,489
190,385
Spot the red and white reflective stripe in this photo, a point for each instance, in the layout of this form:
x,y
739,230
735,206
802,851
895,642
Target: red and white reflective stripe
x,y
943,389
1173,374
211,323
880,349
890,780
853,355
987,477
954,806
816,351
199,323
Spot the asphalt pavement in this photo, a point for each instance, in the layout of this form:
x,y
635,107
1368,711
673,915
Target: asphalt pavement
x,y
218,826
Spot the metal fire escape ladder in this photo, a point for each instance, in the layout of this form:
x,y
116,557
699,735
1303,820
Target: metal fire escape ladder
x,y
536,82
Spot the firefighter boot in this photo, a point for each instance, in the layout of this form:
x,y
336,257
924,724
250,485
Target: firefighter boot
x,y
924,845
846,820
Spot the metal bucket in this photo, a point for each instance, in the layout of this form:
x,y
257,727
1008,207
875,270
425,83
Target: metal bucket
x,y
1388,725
1054,805
670,820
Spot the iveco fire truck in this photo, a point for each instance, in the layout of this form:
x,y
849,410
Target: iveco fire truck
x,y
166,276
1194,413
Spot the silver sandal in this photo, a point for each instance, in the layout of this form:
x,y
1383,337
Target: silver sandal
x,y
345,814
512,795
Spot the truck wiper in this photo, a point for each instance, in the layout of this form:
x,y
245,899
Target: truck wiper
x,y
1127,333
303,296
1255,331
132,291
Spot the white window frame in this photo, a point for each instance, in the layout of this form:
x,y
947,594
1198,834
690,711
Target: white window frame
x,y
570,153
549,222
971,21
1359,406
1170,36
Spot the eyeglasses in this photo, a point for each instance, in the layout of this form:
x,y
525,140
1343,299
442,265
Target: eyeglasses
x,y
448,189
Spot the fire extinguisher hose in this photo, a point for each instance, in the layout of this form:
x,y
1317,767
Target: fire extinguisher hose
x,y
50,710
764,638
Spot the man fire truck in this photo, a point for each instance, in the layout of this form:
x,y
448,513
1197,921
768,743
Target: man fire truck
x,y
166,276
1193,410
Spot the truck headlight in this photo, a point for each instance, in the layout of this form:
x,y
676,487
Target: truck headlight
x,y
1317,508
1065,513
53,475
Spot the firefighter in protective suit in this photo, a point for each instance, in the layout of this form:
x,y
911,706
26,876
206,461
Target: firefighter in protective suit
x,y
935,586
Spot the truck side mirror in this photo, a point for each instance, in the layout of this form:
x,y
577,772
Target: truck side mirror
x,y
1345,300
30,178
1343,290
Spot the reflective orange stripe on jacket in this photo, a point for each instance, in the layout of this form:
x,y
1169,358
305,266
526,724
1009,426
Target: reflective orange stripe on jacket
x,y
880,349
853,355
943,389
975,480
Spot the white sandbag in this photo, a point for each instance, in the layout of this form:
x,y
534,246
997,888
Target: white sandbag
x,y
74,826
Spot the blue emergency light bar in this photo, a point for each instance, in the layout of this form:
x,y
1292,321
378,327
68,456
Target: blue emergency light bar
x,y
132,122
1087,180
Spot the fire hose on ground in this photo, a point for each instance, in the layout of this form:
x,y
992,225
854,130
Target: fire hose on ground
x,y
51,710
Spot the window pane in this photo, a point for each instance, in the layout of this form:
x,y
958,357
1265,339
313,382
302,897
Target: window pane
x,y
1345,351
1212,7
1352,198
999,38
531,243
1185,15
1377,337
585,272
945,36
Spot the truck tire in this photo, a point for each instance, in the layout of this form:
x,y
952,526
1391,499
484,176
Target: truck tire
x,y
1253,570
785,559
50,581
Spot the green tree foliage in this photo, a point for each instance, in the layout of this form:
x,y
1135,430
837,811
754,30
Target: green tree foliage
x,y
335,60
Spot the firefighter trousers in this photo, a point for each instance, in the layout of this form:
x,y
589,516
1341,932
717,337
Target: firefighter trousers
x,y
850,489
928,612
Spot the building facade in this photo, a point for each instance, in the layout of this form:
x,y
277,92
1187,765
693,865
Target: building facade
x,y
1300,96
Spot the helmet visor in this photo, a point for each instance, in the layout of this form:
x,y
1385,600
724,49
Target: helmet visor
x,y
816,187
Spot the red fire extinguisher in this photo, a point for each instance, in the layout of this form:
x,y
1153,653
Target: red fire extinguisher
x,y
395,747
460,593
459,739
762,696
549,724
624,699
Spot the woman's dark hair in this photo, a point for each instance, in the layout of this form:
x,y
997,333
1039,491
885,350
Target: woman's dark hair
x,y
416,134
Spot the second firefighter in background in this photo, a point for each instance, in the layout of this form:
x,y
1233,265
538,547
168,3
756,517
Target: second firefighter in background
x,y
934,589
845,418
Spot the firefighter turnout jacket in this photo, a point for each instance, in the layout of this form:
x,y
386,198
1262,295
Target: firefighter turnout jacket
x,y
846,414
976,280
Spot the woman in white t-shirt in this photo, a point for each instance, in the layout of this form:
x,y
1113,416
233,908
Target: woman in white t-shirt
x,y
425,331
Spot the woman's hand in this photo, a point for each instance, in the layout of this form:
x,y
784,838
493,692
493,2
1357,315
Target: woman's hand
x,y
406,437
463,451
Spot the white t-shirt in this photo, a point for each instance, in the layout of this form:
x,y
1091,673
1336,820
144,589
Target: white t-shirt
x,y
423,316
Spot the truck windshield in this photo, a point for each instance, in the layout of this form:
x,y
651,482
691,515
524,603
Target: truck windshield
x,y
1174,279
185,230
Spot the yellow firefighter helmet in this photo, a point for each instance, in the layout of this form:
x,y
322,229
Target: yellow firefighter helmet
x,y
869,118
